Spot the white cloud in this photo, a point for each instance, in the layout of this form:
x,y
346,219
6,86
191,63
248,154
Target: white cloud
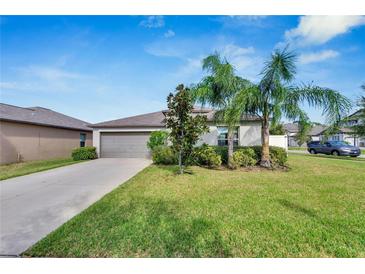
x,y
246,63
315,57
232,51
49,73
170,33
34,78
243,20
22,86
8,85
171,48
190,70
155,21
317,30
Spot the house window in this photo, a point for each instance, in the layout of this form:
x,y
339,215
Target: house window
x,y
223,136
335,137
82,139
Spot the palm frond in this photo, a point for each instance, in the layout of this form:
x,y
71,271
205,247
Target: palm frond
x,y
334,105
280,67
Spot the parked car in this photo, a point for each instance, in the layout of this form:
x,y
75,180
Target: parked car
x,y
337,148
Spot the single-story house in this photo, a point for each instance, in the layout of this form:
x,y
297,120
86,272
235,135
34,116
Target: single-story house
x,y
292,130
127,137
36,133
345,133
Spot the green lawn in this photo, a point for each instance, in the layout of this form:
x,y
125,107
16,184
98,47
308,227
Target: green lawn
x,y
316,209
305,148
19,169
297,148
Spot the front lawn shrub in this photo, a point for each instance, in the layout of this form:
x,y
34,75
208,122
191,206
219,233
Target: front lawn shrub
x,y
157,138
244,157
206,156
84,153
164,155
223,152
278,155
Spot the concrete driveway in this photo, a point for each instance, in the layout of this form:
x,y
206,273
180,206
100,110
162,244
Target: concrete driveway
x,y
34,205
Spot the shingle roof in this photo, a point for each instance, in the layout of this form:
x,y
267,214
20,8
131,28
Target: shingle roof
x,y
40,116
293,128
317,130
154,119
157,119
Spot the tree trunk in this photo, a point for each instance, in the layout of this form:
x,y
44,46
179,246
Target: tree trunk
x,y
230,147
181,171
265,151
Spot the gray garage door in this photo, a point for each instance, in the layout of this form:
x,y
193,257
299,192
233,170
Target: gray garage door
x,y
124,144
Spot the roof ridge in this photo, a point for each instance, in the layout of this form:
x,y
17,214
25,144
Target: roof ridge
x,y
26,108
139,115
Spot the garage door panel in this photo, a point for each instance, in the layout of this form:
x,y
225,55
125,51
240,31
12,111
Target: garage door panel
x,y
124,145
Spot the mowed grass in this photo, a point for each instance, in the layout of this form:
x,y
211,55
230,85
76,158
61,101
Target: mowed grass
x,y
316,209
297,148
348,158
19,169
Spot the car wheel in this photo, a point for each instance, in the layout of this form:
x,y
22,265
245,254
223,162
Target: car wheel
x,y
312,151
335,153
353,156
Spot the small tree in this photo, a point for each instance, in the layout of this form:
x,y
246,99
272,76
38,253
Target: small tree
x,y
304,127
185,129
277,129
157,138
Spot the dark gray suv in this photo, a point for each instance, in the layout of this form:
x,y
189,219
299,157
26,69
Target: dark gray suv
x,y
333,147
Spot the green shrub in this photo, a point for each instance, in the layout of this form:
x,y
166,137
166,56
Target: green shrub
x,y
244,157
206,156
84,153
278,155
223,152
164,155
157,138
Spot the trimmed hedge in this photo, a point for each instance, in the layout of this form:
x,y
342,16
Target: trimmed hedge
x,y
84,153
278,155
206,156
164,155
244,157
214,156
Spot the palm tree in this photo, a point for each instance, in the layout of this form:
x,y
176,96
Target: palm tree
x,y
275,96
219,89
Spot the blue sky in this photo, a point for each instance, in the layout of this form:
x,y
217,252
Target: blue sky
x,y
98,68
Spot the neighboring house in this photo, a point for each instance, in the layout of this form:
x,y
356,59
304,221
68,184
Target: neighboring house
x,y
345,133
292,130
127,137
37,133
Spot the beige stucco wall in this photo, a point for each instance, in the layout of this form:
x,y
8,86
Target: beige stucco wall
x,y
37,142
249,134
